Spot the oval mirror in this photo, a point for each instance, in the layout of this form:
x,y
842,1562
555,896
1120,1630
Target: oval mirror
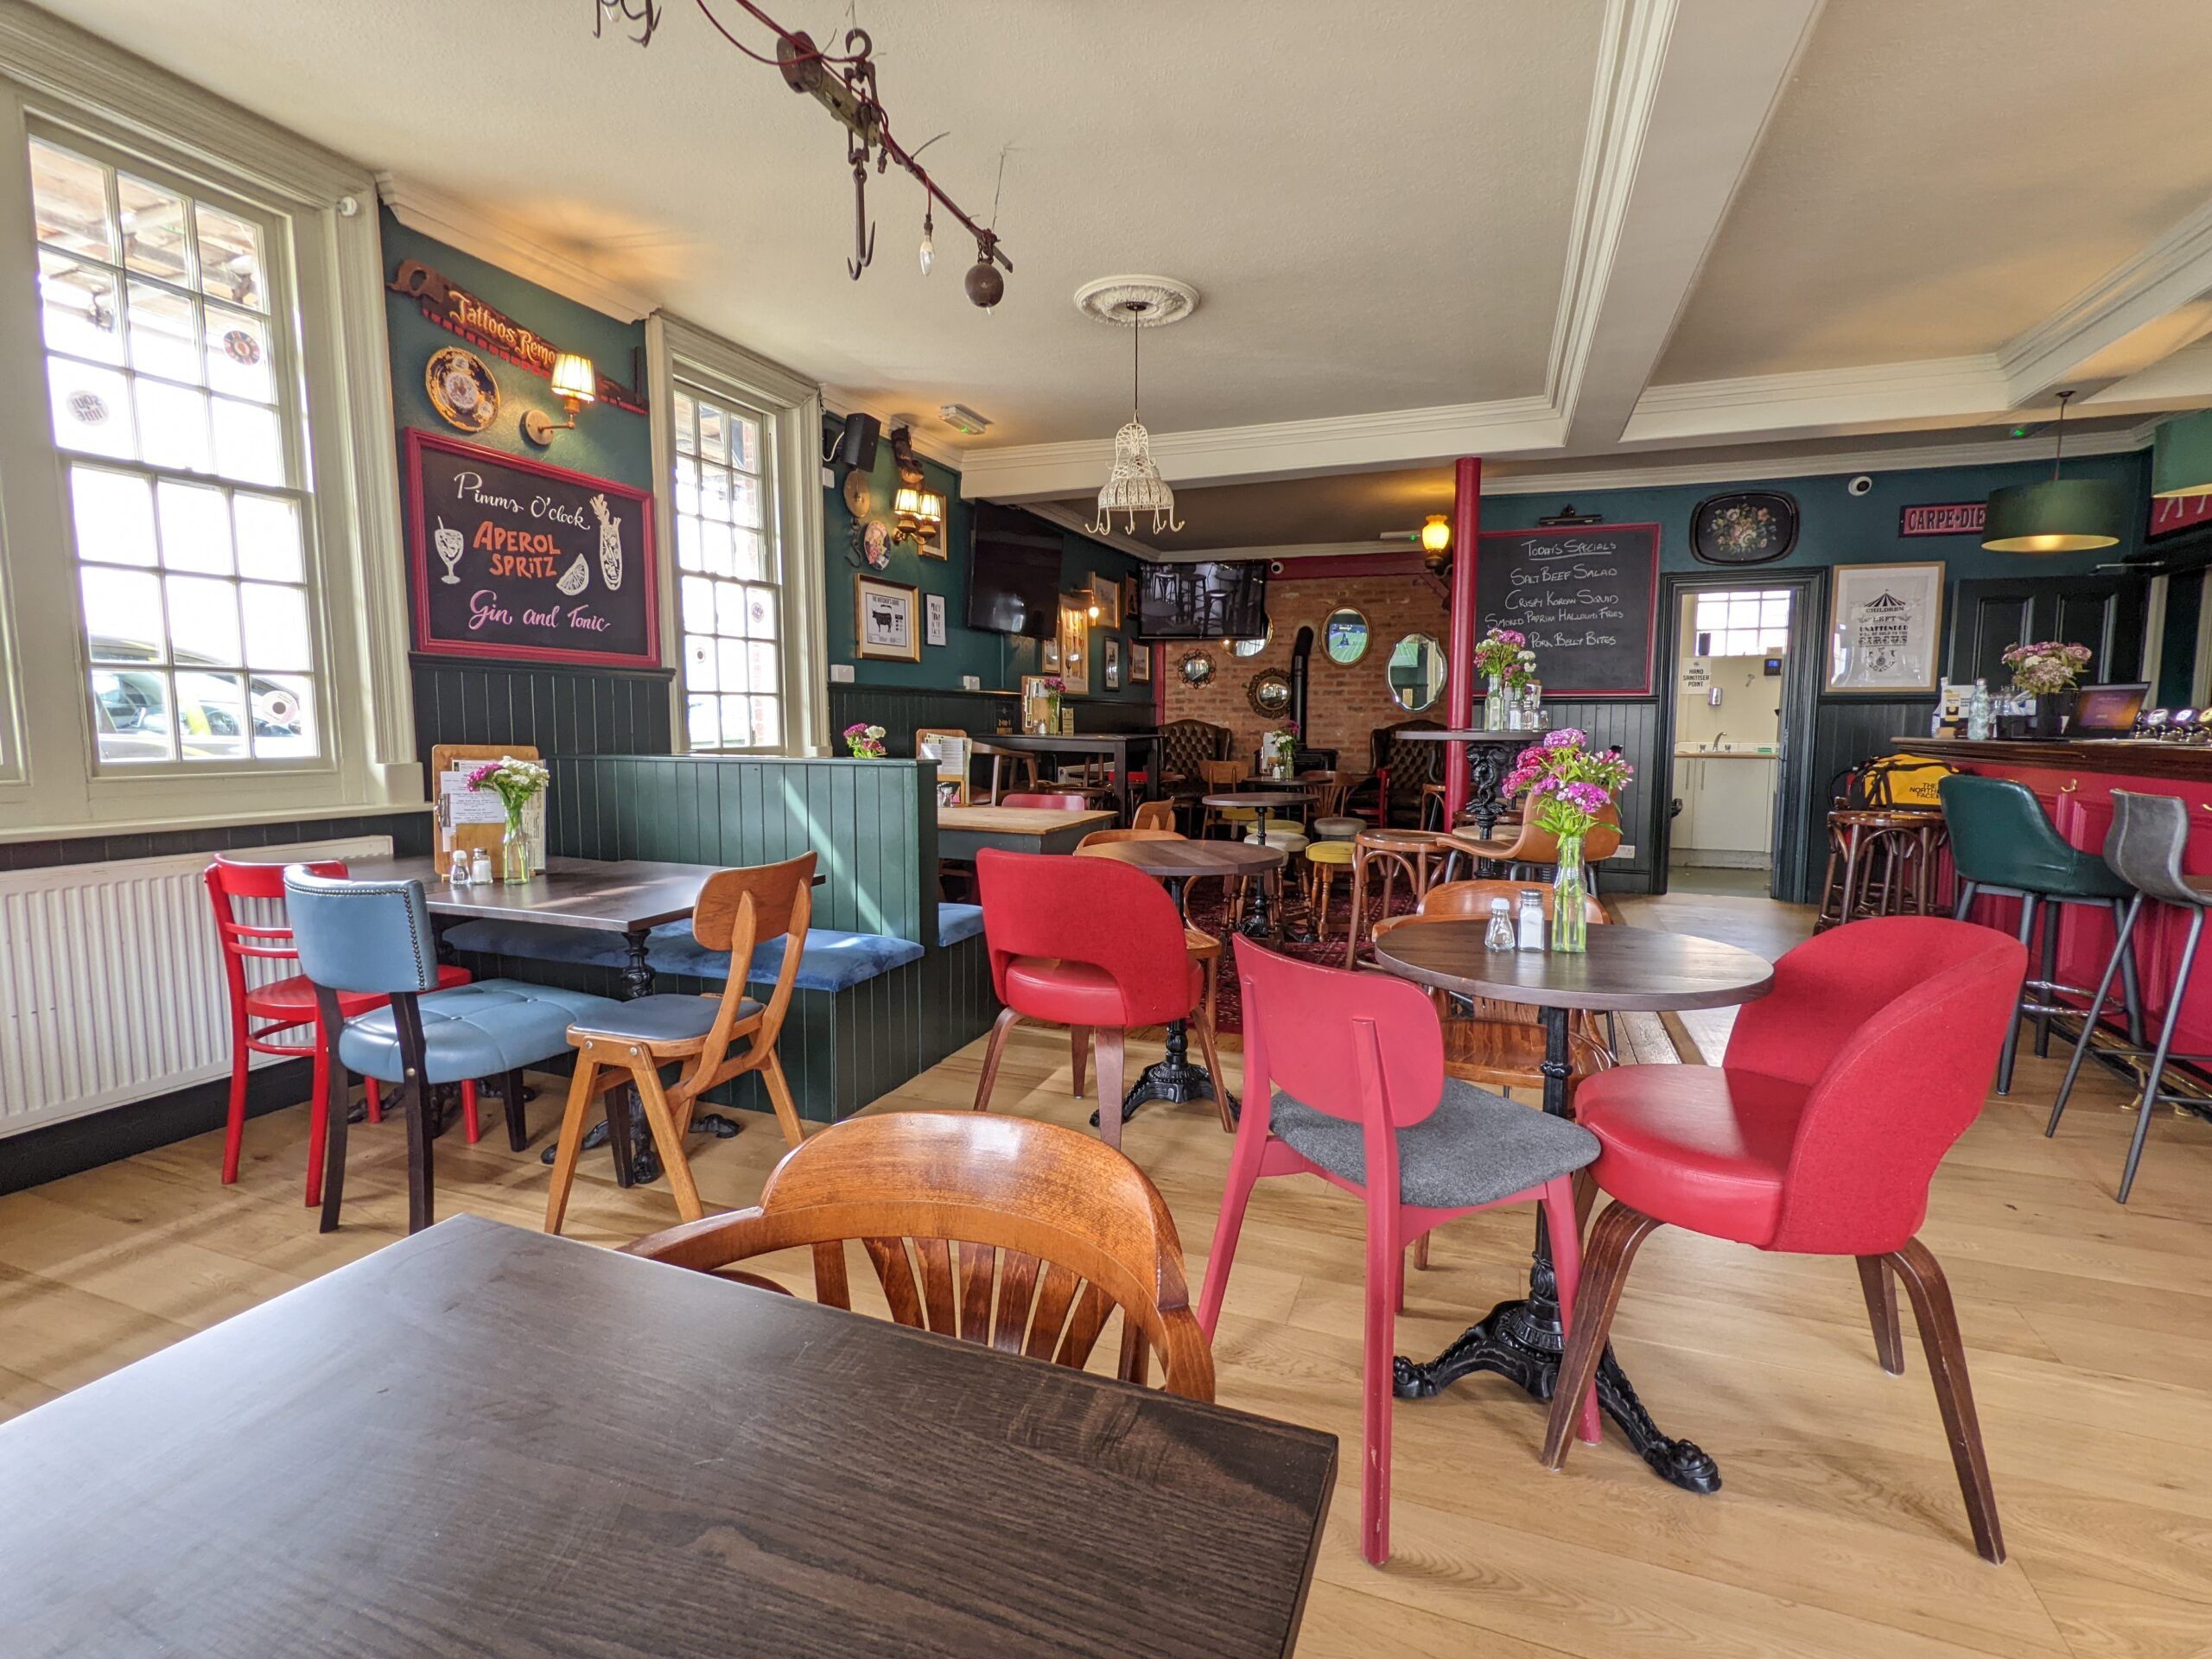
x,y
1344,636
1416,672
1269,693
1251,647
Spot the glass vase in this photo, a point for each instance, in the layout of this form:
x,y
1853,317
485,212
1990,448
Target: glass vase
x,y
1494,705
514,848
1570,899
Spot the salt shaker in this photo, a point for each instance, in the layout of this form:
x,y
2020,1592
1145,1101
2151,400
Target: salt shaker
x,y
1532,919
1499,935
458,875
480,871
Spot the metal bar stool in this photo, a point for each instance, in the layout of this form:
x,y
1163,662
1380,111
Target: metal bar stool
x,y
1417,854
2148,834
2004,846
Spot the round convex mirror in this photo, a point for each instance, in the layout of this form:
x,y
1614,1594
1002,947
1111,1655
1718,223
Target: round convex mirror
x,y
1269,693
1416,672
1250,647
1344,636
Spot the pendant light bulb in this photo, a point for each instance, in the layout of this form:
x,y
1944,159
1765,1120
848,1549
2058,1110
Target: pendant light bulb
x,y
929,243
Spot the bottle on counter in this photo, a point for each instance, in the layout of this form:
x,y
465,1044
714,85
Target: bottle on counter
x,y
1978,713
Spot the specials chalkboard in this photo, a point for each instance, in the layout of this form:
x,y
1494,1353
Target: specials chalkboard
x,y
514,558
1587,597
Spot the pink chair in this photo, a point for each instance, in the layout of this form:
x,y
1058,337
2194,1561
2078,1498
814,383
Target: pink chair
x,y
1344,1075
1051,802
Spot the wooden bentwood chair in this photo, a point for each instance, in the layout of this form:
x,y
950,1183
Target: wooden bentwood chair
x,y
1817,1134
1345,1079
738,909
951,1207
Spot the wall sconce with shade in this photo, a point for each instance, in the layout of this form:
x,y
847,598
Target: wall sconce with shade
x,y
920,518
576,383
2181,456
2057,515
1436,543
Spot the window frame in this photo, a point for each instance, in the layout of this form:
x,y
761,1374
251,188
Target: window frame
x,y
788,408
319,211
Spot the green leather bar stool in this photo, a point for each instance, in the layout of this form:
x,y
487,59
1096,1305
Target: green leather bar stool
x,y
2005,846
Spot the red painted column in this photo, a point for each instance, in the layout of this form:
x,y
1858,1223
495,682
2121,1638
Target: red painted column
x,y
1460,658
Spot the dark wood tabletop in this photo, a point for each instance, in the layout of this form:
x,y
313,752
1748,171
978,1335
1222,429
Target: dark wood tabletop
x,y
620,895
1626,969
1067,742
1471,734
485,1441
1269,798
1178,860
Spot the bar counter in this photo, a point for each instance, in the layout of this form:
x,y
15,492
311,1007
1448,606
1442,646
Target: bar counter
x,y
2074,782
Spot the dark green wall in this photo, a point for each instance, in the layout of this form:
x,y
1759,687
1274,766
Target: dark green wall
x,y
561,710
999,660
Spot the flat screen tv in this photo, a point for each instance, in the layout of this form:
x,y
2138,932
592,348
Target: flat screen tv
x,y
1211,601
1013,573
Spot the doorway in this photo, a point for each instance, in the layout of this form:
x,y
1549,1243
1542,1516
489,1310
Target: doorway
x,y
1736,714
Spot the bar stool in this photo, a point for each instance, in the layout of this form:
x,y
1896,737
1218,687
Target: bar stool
x,y
2148,834
1417,854
1324,859
1882,861
2004,846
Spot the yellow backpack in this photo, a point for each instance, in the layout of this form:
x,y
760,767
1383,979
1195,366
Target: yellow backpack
x,y
1893,781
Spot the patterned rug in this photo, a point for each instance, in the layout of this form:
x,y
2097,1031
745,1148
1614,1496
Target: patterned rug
x,y
1208,909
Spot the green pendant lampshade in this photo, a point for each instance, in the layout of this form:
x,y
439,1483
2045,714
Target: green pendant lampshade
x,y
2181,456
2058,515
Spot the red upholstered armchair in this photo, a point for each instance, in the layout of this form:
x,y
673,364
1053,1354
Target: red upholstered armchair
x,y
1818,1135
1090,944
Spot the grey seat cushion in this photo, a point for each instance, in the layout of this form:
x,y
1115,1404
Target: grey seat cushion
x,y
1338,828
1476,1147
664,1018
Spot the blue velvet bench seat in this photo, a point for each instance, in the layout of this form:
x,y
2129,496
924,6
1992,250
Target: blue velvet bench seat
x,y
959,922
833,960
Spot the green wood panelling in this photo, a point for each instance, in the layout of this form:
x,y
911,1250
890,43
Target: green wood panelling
x,y
864,820
556,710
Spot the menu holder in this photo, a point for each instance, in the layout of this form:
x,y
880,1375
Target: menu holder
x,y
470,818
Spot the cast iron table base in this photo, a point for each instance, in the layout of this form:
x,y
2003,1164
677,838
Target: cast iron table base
x,y
1522,1341
1174,1078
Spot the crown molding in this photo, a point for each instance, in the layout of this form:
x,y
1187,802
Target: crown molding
x,y
1820,403
2113,327
1296,550
1993,451
499,240
841,401
1230,454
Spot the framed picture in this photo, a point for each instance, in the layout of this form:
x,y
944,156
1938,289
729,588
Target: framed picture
x,y
1048,656
1140,665
885,627
1112,650
1108,595
1885,621
1129,600
933,619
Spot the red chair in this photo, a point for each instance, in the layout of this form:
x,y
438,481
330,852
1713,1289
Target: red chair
x,y
1090,944
1816,1135
1052,803
1350,1068
284,1004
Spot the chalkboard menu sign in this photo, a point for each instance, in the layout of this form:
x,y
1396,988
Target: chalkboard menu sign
x,y
1587,597
514,558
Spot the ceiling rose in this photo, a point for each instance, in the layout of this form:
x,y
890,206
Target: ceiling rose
x,y
1142,301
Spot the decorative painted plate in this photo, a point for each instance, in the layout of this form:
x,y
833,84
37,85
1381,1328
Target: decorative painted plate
x,y
462,389
1748,527
878,540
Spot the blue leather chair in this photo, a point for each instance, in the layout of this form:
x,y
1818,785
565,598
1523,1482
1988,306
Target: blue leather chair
x,y
375,936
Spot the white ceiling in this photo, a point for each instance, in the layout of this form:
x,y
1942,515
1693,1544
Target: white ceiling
x,y
1583,239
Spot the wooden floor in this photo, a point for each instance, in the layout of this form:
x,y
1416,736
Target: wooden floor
x,y
1840,1531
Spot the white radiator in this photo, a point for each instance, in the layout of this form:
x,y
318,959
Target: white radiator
x,y
112,983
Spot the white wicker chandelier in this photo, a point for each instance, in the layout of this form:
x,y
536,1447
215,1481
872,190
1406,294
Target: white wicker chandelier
x,y
1135,486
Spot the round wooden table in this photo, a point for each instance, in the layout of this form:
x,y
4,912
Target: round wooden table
x,y
1260,921
1625,969
1177,862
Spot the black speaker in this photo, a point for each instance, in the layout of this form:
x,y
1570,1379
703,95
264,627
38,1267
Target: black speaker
x,y
856,444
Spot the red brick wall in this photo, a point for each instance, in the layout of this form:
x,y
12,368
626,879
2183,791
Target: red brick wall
x,y
1343,705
